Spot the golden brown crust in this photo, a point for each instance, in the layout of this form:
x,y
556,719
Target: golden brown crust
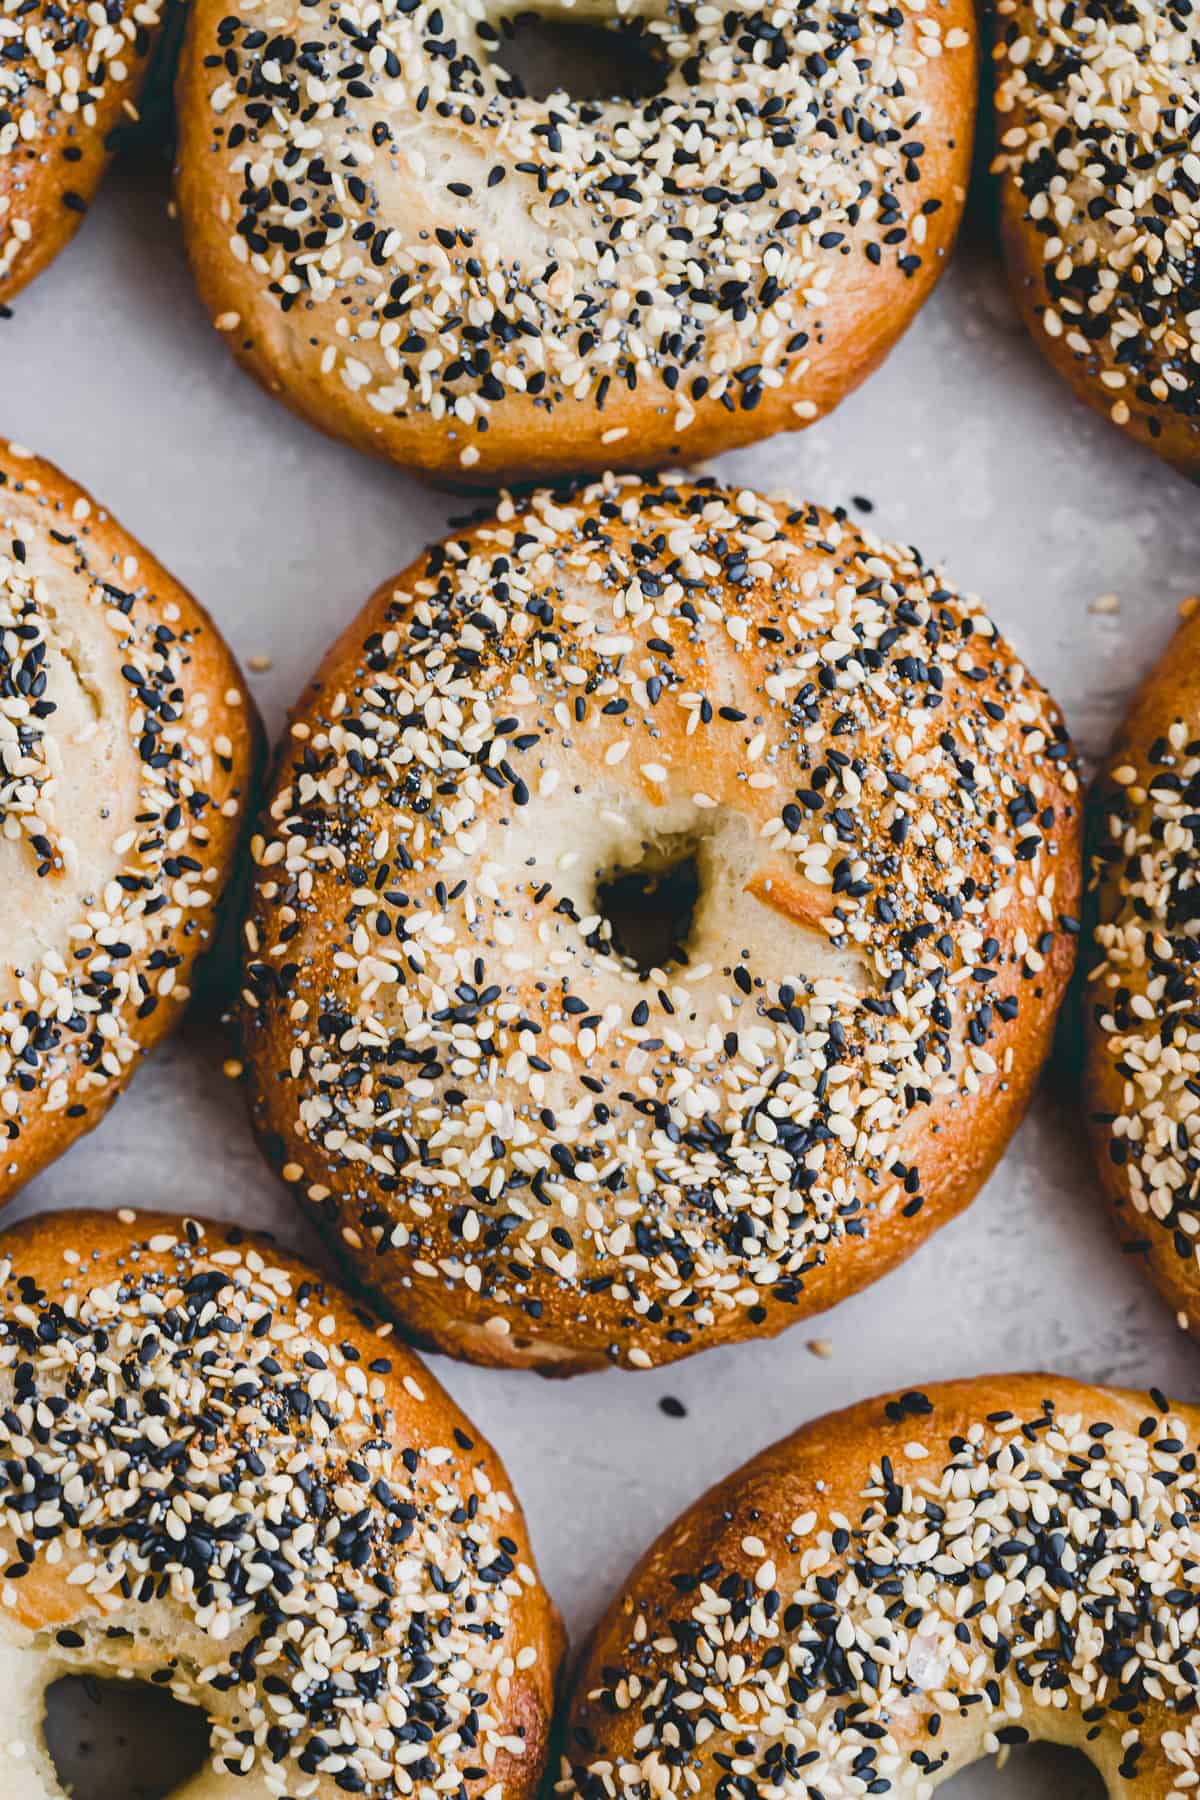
x,y
1098,213
53,150
877,1637
315,357
545,1057
110,907
151,1285
1176,439
1143,1044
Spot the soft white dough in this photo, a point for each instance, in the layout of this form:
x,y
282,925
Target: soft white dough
x,y
27,1672
26,1769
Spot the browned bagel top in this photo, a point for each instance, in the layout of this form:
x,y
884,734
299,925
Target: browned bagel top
x,y
70,74
1096,110
127,743
1143,990
219,1474
535,1144
422,257
903,1587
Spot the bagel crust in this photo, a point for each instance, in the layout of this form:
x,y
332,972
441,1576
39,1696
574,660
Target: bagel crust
x,y
127,742
1143,1014
539,1150
422,259
70,74
222,1477
1100,205
902,1588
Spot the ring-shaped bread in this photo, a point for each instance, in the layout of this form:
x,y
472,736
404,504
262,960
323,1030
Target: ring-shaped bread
x,y
127,747
218,1475
832,793
1143,991
1100,203
70,75
418,256
902,1588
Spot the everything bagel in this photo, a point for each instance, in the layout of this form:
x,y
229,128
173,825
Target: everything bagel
x,y
219,1476
127,744
902,1588
421,258
70,74
1143,1066
1100,202
658,923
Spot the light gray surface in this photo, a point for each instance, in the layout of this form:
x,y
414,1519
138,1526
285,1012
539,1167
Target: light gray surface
x,y
968,447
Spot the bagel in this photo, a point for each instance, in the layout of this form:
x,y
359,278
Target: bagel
x,y
422,259
1143,1023
1100,205
70,74
127,741
542,1138
220,1476
902,1588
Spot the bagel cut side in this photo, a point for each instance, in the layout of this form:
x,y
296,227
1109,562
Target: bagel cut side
x,y
903,1588
419,257
222,1477
658,923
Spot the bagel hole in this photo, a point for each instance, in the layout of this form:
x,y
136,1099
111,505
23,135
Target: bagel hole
x,y
540,56
649,909
1032,1772
121,1740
